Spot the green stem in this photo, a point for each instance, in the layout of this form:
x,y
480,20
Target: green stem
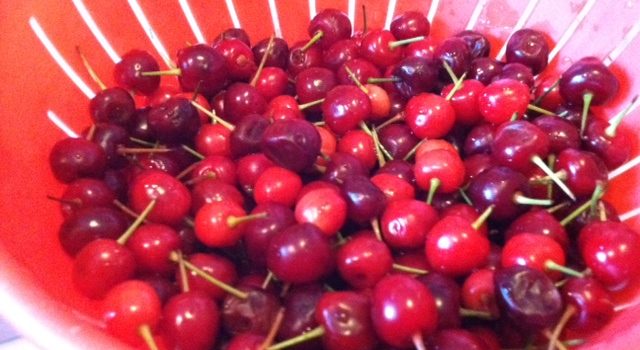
x,y
312,334
552,265
540,110
586,102
394,44
482,218
433,188
615,121
519,198
409,269
174,71
542,165
122,240
317,36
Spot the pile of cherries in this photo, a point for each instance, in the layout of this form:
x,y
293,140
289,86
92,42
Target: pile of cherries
x,y
367,190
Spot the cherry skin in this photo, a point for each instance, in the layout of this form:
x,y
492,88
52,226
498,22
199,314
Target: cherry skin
x,y
283,107
501,99
400,168
497,186
278,55
424,48
173,199
293,144
215,167
213,140
250,167
453,247
202,68
534,251
446,293
363,261
484,69
376,46
380,102
278,185
245,341
592,302
342,165
258,232
333,24
405,223
73,158
561,134
429,116
538,221
214,265
452,339
467,212
610,249
325,208
233,33
85,193
345,319
174,120
112,105
478,292
442,165
528,47
364,200
614,150
393,187
476,164
360,145
344,107
479,139
253,314
583,170
300,306
299,59
455,52
340,52
588,75
300,254
312,84
415,75
239,58
126,73
516,143
128,307
548,93
151,245
401,308
272,82
88,224
465,101
478,44
100,265
410,24
191,320
111,137
242,99
397,139
216,224
361,68
246,137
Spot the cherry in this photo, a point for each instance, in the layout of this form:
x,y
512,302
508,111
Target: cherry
x,y
113,139
272,82
399,168
329,25
429,116
252,314
342,165
250,167
478,44
561,134
363,260
547,93
258,232
478,292
73,158
127,72
344,107
174,121
377,46
241,100
132,309
402,310
538,221
215,167
397,139
247,136
501,99
357,69
405,223
360,145
454,52
344,317
446,293
516,71
441,168
588,76
393,187
516,143
535,251
415,75
173,200
454,246
220,224
527,297
529,47
213,140
476,164
465,101
583,171
410,24
113,105
302,57
610,250
293,144
591,302
479,139
277,56
239,58
151,245
202,68
325,208
216,266
246,341
85,193
87,224
613,148
277,185
340,52
165,288
452,339
284,107
364,200
484,69
233,33
300,306
468,212
191,320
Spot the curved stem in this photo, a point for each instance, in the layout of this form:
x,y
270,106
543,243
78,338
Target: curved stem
x,y
433,188
409,269
89,69
519,198
566,316
184,279
456,86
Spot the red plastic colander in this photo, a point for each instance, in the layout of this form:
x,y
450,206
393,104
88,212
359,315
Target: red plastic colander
x,y
45,90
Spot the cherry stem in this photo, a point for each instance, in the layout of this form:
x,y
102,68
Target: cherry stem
x,y
624,168
557,343
145,332
124,208
476,313
409,269
375,225
615,121
172,72
557,207
142,142
464,196
519,198
566,316
396,118
189,222
132,150
394,44
184,279
75,202
542,165
234,221
206,176
382,80
434,183
267,280
546,92
90,70
561,174
380,151
263,61
418,342
91,132
482,218
540,110
213,116
602,211
551,161
187,170
514,117
355,79
317,36
586,102
206,276
449,70
196,91
193,152
273,331
304,106
122,240
413,150
456,87
312,334
364,20
552,265
285,290
595,197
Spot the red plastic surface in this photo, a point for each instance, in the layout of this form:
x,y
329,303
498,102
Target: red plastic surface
x,y
35,286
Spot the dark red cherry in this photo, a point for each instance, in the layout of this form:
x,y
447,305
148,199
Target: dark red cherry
x,y
364,200
340,52
516,143
614,149
242,99
299,314
345,319
249,169
527,297
446,293
73,158
343,165
151,245
191,320
246,137
173,199
362,70
516,71
258,232
363,260
415,75
300,60
100,265
562,134
239,59
477,43
397,139
331,25
174,121
399,168
584,170
479,139
278,55
127,72
203,68
344,107
253,314
410,24
497,186
111,137
405,223
592,303
85,193
455,52
528,47
272,82
484,69
476,164
454,339
113,105
88,224
588,75
402,308
245,341
233,33
293,144
312,84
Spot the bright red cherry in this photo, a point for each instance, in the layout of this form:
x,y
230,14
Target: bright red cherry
x,y
429,116
363,261
214,190
410,24
478,292
405,223
377,46
503,98
345,318
330,25
217,167
151,245
592,304
126,73
272,82
240,63
325,208
394,187
219,224
213,140
583,170
440,165
214,265
465,101
277,185
191,320
250,167
536,251
360,145
173,199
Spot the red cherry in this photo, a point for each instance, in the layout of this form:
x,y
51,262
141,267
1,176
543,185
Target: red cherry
x,y
213,140
283,107
429,116
360,145
405,223
221,168
394,187
151,245
344,107
380,102
278,185
325,208
214,265
478,292
345,319
173,199
249,169
214,190
534,251
240,63
592,303
465,101
441,165
501,99
329,144
219,224
363,260
376,46
191,320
